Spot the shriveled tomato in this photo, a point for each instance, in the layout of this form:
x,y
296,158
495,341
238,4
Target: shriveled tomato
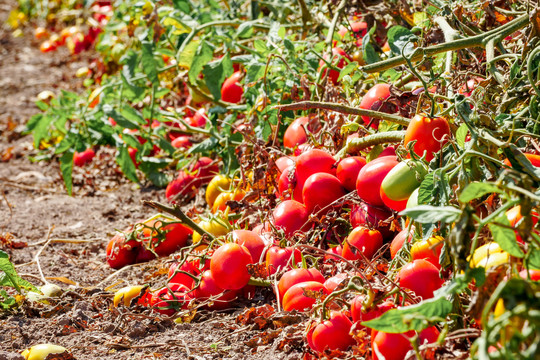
x,y
278,258
128,293
209,290
290,216
83,158
303,296
229,266
296,276
370,178
364,240
375,100
231,90
395,346
430,135
348,169
333,334
399,240
429,249
252,241
420,276
320,190
119,252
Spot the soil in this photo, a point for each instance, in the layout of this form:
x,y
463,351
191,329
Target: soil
x,y
68,236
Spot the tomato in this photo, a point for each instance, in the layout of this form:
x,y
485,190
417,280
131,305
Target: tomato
x,y
198,119
120,253
231,91
337,250
370,178
342,58
217,185
296,276
360,314
348,169
47,46
392,204
332,334
396,346
364,240
290,216
533,274
41,33
388,151
420,276
533,158
514,217
128,293
204,170
429,250
177,273
333,282
399,240
133,155
176,237
288,184
83,158
209,289
489,256
44,351
296,296
312,162
402,180
359,30
320,190
278,258
252,241
220,204
214,226
375,99
372,217
229,266
184,186
170,299
285,162
295,133
430,135
182,142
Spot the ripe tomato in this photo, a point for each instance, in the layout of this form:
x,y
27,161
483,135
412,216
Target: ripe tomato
x,y
198,119
41,33
333,282
231,91
296,134
420,276
209,289
176,237
311,162
280,258
342,57
288,184
177,276
284,162
169,300
184,186
372,217
296,276
120,253
47,46
181,142
396,346
296,297
83,158
514,217
332,334
364,240
392,204
229,266
204,170
252,241
375,100
533,274
370,178
533,158
430,135
399,240
359,30
320,190
348,169
290,216
360,314
429,250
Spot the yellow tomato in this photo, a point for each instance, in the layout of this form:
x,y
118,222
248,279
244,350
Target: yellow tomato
x,y
221,201
217,185
41,351
126,294
489,256
214,226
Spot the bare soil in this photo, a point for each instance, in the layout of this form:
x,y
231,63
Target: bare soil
x,y
34,208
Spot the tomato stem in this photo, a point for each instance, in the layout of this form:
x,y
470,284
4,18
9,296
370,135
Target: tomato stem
x,y
357,144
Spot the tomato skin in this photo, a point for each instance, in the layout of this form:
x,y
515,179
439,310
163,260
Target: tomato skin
x,y
430,135
184,186
290,216
220,204
176,277
533,158
402,180
286,182
296,134
420,276
514,217
217,185
176,237
252,241
348,169
399,240
295,298
229,266
333,333
198,119
209,289
534,274
311,162
364,240
429,249
231,91
342,57
359,30
47,46
285,162
333,282
396,346
119,252
393,205
320,190
278,258
296,276
181,142
83,158
375,100
370,178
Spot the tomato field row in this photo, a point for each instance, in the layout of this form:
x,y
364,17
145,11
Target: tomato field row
x,y
373,167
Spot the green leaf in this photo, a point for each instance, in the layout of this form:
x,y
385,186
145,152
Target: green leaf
x,y
461,135
66,167
245,30
39,126
183,5
347,70
533,259
426,214
370,55
414,317
505,236
188,54
149,64
215,74
9,276
476,190
202,57
425,191
400,40
126,164
206,145
132,115
254,71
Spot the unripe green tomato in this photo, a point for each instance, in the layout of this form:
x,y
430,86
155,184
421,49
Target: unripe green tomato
x,y
413,199
41,351
402,180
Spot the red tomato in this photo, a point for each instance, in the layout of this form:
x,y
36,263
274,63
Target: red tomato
x,y
420,276
340,58
205,169
176,237
290,216
169,300
533,158
312,162
396,346
229,266
209,289
332,283
176,276
348,169
389,151
332,334
295,298
359,314
133,155
181,142
184,186
338,250
514,217
359,30
280,259
252,241
47,46
399,240
83,158
296,134
41,33
534,274
286,186
284,162
296,276
373,218
231,91
320,190
199,119
430,135
364,240
375,100
370,178
120,253
397,206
